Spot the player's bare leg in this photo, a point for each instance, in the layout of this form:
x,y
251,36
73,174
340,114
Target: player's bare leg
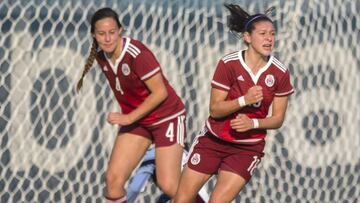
x,y
168,168
228,186
189,186
127,152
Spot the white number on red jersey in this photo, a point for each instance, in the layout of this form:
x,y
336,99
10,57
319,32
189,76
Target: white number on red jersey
x,y
257,104
118,85
170,132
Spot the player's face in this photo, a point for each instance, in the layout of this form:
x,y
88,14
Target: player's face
x,y
262,38
107,34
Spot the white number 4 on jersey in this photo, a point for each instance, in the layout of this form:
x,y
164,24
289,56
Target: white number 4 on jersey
x,y
170,132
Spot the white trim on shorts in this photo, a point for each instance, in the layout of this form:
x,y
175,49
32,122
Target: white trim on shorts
x,y
202,133
180,131
169,118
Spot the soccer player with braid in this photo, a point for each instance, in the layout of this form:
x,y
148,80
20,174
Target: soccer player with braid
x,y
244,86
151,110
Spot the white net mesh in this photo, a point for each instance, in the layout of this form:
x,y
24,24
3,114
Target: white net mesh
x,y
55,144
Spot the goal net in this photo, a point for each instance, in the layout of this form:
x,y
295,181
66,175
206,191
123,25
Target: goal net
x,y
55,144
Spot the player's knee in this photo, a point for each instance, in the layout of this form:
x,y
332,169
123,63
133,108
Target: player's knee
x,y
114,180
167,185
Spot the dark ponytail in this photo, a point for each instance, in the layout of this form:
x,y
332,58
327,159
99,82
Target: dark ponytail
x,y
239,21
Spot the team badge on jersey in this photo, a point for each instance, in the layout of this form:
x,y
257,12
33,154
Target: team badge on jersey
x,y
269,80
195,159
125,69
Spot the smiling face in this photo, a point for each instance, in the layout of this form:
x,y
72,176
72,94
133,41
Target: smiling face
x,y
262,38
107,34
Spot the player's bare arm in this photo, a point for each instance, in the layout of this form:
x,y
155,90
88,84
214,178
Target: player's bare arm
x,y
220,108
243,123
277,117
158,94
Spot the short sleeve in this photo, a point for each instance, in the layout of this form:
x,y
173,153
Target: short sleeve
x,y
146,65
222,77
284,87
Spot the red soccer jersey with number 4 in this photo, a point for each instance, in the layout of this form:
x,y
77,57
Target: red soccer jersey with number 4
x,y
127,79
235,77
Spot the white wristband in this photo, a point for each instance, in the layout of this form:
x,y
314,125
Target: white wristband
x,y
255,122
241,101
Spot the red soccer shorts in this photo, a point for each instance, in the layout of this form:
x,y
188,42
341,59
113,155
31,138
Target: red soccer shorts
x,y
210,154
164,134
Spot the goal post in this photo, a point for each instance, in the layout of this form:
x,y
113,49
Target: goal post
x,y
55,144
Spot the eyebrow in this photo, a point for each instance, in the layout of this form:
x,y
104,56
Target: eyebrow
x,y
104,30
262,30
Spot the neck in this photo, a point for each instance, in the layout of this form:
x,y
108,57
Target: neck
x,y
254,60
116,53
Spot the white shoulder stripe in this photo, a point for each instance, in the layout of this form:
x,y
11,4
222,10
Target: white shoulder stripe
x,y
232,59
137,50
230,55
278,64
132,52
220,85
151,73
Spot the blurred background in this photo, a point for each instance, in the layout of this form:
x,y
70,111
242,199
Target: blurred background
x,y
54,143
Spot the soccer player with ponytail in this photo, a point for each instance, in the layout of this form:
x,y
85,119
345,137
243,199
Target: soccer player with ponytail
x,y
151,110
244,86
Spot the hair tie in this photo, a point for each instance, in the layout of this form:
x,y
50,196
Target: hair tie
x,y
248,23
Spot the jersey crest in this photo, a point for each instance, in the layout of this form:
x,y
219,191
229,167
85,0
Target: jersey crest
x,y
125,69
269,80
195,159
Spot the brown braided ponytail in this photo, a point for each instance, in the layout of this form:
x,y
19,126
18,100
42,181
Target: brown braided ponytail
x,y
88,65
98,15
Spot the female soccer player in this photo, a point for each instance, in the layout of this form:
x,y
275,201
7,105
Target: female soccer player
x,y
151,110
244,85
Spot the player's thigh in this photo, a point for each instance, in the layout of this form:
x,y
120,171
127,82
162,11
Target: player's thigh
x,y
168,163
127,152
227,187
169,138
191,182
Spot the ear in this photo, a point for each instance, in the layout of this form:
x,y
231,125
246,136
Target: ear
x,y
121,30
247,37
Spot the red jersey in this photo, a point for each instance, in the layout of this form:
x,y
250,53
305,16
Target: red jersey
x,y
135,65
235,77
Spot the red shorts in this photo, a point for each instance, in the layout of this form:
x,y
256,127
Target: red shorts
x,y
164,134
210,154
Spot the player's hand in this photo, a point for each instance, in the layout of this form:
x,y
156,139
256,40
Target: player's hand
x,y
119,119
241,123
254,95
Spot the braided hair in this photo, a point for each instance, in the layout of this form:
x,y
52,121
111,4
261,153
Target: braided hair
x,y
98,15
